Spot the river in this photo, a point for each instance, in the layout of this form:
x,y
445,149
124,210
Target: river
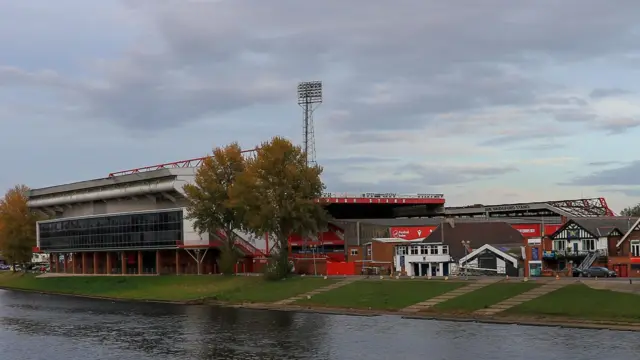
x,y
35,326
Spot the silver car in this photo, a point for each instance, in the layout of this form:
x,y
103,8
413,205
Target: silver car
x,y
599,271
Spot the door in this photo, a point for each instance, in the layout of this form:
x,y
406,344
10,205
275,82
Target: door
x,y
575,247
445,269
434,269
424,269
416,269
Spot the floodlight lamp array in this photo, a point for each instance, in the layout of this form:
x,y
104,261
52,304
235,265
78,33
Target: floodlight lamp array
x,y
310,92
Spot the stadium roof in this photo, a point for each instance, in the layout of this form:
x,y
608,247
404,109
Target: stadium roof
x,y
595,207
110,181
437,221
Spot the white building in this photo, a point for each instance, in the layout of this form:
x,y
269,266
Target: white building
x,y
423,259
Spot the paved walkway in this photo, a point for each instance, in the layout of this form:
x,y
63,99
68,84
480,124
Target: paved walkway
x,y
524,297
450,295
321,290
619,286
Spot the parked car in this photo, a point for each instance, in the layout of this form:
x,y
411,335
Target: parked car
x,y
599,271
577,272
5,267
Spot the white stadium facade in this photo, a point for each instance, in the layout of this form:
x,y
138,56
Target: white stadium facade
x,y
130,223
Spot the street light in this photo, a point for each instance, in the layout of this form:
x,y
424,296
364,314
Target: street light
x,y
465,245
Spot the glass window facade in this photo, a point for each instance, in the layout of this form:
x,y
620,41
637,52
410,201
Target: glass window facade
x,y
139,230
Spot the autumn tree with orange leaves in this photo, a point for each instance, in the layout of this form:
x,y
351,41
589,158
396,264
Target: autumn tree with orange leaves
x,y
209,202
17,226
278,194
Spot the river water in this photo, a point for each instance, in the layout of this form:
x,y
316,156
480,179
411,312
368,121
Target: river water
x,y
35,326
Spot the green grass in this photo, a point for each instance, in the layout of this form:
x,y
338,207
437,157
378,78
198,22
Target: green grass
x,y
169,288
381,295
583,302
484,297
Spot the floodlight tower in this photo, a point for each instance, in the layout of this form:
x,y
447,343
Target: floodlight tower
x,y
309,98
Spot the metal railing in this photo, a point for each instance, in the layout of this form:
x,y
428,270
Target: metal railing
x,y
580,253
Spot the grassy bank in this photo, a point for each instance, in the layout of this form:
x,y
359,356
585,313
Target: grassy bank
x,y
571,304
484,297
235,289
579,301
381,295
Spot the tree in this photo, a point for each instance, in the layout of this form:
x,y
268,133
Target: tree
x,y
209,203
633,211
279,193
18,226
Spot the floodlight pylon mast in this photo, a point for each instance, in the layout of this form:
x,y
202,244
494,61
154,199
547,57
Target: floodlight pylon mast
x,y
309,98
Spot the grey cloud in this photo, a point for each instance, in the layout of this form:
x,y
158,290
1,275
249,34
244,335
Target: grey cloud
x,y
604,163
626,175
603,93
207,58
631,192
422,178
618,125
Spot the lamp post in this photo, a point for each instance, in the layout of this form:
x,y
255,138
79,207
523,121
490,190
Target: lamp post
x,y
465,245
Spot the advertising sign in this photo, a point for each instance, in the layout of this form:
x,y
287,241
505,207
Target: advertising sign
x,y
550,229
528,230
411,232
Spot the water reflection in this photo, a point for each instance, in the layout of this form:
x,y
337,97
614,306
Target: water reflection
x,y
38,326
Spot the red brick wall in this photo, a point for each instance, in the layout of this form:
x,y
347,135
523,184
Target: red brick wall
x,y
382,252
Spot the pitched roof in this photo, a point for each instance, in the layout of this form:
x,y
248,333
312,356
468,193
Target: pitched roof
x,y
604,226
478,234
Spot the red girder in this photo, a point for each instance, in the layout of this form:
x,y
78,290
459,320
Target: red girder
x,y
172,165
584,207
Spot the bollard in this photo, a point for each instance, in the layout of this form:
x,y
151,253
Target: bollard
x,y
397,277
325,277
381,277
446,278
557,277
525,279
429,277
630,282
507,277
413,277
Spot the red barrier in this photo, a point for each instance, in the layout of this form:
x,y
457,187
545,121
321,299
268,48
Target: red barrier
x,y
341,268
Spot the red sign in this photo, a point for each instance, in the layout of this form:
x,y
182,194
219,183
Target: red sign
x,y
550,229
533,230
411,233
528,230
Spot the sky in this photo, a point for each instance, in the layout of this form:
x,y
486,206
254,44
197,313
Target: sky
x,y
492,101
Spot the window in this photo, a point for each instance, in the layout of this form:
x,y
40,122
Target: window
x,y
368,250
560,245
433,250
401,250
414,250
424,250
588,245
354,252
113,232
445,249
635,247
